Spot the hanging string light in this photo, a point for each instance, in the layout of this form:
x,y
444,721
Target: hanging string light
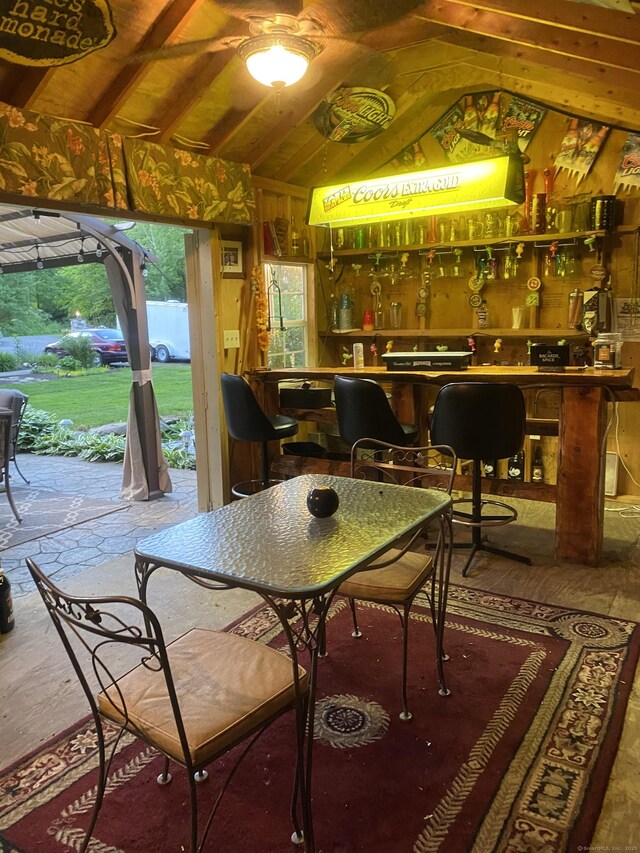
x,y
80,256
39,261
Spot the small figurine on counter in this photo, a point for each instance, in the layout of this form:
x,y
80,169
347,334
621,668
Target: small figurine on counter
x,y
529,345
347,355
442,348
373,349
519,251
590,242
415,348
471,343
562,342
389,346
497,346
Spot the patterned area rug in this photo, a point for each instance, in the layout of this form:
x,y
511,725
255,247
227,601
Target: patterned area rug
x,y
515,759
45,511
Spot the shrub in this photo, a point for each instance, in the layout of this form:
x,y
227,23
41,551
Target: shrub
x,y
177,457
8,361
80,349
36,426
68,362
45,362
102,448
41,433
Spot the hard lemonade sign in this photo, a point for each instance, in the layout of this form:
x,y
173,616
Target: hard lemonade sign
x,y
490,183
54,32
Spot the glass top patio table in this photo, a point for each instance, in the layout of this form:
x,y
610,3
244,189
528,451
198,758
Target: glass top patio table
x,y
269,542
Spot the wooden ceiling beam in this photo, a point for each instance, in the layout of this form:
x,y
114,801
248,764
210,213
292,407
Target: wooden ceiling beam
x,y
609,78
590,20
174,18
537,35
24,85
574,94
191,91
235,121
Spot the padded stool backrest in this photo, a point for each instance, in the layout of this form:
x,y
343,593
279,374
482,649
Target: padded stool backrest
x,y
480,420
364,412
245,419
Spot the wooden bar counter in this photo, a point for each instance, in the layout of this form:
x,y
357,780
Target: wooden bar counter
x,y
584,394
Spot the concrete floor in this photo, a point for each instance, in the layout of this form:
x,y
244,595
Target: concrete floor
x,y
39,695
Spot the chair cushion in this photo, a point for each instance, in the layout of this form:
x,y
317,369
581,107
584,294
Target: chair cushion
x,y
395,583
226,687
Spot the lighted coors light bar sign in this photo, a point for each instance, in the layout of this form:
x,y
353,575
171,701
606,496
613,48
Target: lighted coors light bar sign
x,y
468,186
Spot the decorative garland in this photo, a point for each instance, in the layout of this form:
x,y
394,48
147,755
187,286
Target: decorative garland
x,y
262,308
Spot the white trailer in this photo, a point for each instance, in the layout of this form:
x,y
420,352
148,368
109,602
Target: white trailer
x,y
169,330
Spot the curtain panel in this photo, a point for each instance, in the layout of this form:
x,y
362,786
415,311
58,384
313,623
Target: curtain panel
x,y
43,157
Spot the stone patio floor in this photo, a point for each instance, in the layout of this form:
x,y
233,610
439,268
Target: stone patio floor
x,y
71,551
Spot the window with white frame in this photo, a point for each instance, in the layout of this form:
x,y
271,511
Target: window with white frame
x,y
287,292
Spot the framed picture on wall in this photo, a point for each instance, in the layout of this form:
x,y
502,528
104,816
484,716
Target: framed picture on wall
x,y
231,259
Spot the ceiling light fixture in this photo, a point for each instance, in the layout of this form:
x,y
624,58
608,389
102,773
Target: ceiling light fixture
x,y
277,60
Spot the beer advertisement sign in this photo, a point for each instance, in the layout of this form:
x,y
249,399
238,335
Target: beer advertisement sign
x,y
33,32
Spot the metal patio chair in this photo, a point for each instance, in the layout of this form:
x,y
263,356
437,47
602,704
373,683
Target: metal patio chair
x,y
397,580
193,699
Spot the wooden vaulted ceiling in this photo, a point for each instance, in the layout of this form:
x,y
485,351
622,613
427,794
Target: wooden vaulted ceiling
x,y
575,57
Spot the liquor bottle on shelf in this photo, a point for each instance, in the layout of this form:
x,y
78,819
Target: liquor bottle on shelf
x,y
295,238
515,467
490,467
537,468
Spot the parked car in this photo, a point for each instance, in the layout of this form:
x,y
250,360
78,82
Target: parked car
x,y
107,344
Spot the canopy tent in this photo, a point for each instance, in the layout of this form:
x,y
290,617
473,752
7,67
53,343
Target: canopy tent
x,y
33,239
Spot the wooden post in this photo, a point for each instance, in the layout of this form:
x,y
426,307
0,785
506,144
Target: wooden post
x,y
580,497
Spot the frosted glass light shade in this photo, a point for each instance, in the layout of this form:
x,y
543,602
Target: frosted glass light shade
x,y
275,61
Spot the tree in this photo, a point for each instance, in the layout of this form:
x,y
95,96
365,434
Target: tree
x,y
42,301
166,278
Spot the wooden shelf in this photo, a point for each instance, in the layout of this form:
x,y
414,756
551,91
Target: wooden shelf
x,y
480,243
458,333
530,333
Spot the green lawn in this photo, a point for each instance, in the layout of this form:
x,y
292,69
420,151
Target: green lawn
x,y
103,397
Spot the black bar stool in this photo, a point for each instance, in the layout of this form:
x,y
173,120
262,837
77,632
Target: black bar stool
x,y
364,412
480,420
246,421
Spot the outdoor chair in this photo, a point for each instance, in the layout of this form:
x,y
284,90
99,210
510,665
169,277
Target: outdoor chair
x,y
192,699
5,456
15,400
397,580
